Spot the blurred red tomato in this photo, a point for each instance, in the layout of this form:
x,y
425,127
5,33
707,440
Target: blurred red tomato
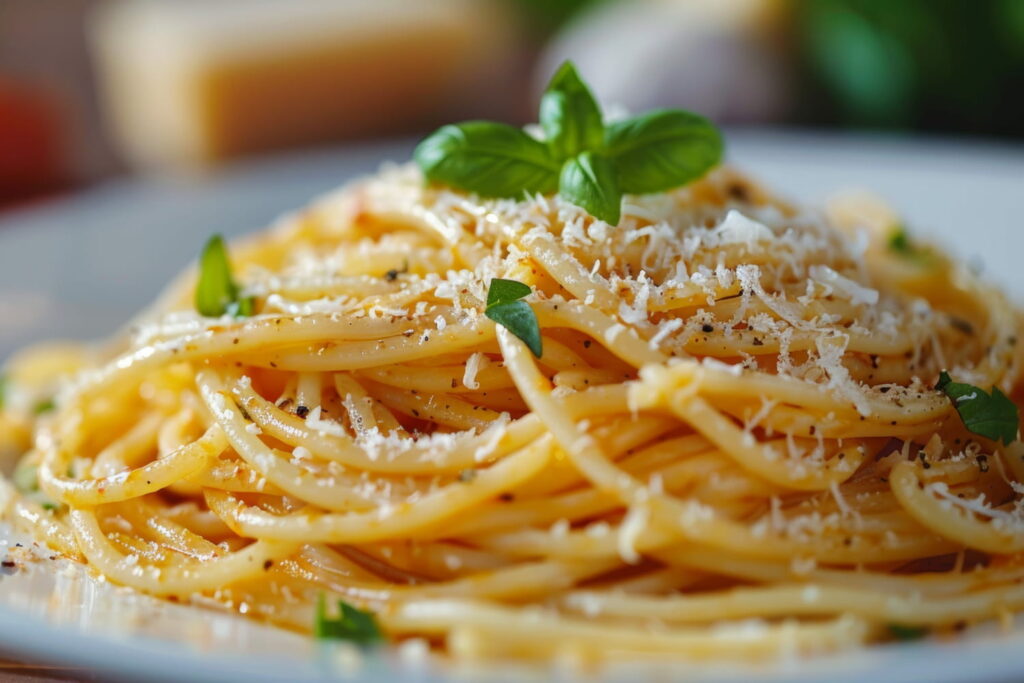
x,y
32,157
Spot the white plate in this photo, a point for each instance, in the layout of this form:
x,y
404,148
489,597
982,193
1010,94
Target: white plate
x,y
80,267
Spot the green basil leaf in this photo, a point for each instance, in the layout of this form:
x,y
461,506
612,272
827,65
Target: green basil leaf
x,y
351,624
993,416
505,308
490,159
588,181
569,115
505,291
518,318
216,292
662,149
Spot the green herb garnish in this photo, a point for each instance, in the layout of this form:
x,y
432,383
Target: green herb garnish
x,y
993,416
506,307
45,406
589,163
899,242
351,624
217,293
26,479
901,632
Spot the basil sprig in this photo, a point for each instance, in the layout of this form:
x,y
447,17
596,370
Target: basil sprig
x,y
217,292
589,163
506,307
351,624
993,416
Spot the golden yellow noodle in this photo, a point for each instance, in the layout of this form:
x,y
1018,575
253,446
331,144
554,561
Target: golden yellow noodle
x,y
729,448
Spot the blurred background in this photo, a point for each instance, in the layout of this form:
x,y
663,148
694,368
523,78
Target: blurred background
x,y
94,89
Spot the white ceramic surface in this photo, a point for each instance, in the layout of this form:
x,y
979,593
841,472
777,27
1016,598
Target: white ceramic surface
x,y
79,267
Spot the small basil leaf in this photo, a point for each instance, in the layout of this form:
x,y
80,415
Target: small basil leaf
x,y
216,291
662,149
518,318
569,115
588,181
993,416
351,624
505,291
490,159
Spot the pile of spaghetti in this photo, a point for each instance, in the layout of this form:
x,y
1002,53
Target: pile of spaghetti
x,y
731,446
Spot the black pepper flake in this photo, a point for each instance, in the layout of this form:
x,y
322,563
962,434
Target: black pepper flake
x,y
884,390
758,342
924,460
415,412
739,192
586,343
8,564
874,362
707,327
393,274
267,565
302,411
506,497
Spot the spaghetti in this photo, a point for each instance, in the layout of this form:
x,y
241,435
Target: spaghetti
x,y
730,446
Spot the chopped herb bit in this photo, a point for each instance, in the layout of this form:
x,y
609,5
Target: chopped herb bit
x,y
590,164
901,632
351,624
44,406
26,478
217,292
899,241
505,307
993,416
467,475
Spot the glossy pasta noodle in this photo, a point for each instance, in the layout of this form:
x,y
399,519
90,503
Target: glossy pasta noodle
x,y
731,446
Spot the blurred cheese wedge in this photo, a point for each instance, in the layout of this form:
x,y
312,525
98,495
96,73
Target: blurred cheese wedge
x,y
189,82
